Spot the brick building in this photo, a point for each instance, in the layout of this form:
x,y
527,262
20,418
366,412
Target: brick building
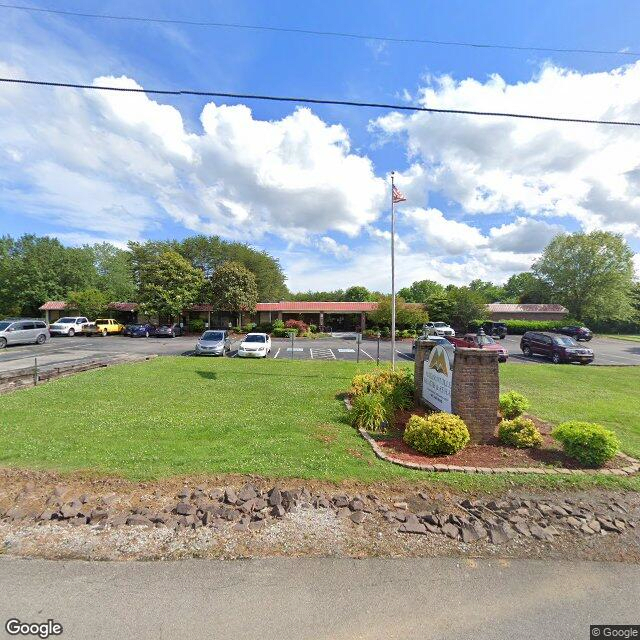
x,y
500,311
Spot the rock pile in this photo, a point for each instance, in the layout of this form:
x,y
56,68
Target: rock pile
x,y
250,508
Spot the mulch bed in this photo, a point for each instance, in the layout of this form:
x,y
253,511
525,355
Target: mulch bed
x,y
492,454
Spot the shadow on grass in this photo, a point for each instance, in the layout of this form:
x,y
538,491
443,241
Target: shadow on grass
x,y
208,375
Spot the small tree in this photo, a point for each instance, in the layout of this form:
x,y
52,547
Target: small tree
x,y
168,285
407,315
88,302
466,306
234,289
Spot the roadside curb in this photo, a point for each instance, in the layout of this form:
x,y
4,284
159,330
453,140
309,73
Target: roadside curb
x,y
632,468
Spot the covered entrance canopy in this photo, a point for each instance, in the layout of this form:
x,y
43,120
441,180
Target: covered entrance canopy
x,y
328,316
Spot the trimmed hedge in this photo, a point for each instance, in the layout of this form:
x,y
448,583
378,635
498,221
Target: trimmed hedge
x,y
590,444
519,432
518,327
437,434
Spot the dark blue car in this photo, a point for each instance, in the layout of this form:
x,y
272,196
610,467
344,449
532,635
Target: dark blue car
x,y
139,330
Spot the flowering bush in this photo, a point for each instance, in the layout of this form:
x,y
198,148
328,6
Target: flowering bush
x,y
300,326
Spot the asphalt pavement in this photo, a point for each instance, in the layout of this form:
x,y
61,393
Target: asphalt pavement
x,y
62,350
300,599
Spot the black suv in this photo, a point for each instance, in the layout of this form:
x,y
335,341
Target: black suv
x,y
495,329
578,333
557,348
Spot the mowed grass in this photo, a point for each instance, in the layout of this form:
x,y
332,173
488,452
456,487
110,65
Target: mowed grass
x,y
177,416
631,338
607,395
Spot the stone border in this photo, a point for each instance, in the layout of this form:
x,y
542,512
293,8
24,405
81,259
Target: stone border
x,y
632,468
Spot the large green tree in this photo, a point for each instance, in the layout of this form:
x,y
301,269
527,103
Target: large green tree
x,y
466,305
168,285
115,274
590,273
407,315
421,291
489,291
89,302
357,293
233,288
526,288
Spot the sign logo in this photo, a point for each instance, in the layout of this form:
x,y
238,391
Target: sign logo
x,y
437,378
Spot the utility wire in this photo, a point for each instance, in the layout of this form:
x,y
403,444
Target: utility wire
x,y
313,32
347,103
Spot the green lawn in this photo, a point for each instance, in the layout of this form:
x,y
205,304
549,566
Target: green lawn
x,y
624,337
276,418
608,395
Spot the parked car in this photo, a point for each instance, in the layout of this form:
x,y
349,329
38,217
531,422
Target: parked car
x,y
168,331
68,326
577,333
438,329
255,345
103,327
481,341
214,342
143,330
495,329
23,331
558,348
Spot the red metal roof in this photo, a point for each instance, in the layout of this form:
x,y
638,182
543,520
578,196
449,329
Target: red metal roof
x,y
54,305
123,306
498,307
327,307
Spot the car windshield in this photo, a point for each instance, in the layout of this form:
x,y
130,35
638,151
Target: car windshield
x,y
485,340
255,338
439,324
67,320
565,341
215,336
5,325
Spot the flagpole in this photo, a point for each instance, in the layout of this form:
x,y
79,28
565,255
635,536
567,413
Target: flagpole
x,y
393,279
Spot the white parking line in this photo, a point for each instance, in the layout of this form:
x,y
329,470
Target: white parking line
x,y
366,354
323,353
404,355
277,352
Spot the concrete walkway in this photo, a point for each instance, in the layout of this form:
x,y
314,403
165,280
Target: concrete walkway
x,y
335,599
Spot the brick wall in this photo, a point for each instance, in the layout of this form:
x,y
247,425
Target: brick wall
x,y
475,388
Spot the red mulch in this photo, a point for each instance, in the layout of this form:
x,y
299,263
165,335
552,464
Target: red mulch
x,y
491,454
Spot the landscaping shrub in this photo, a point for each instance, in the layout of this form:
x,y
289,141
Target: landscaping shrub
x,y
281,332
513,404
313,328
519,432
196,325
385,332
301,327
249,327
590,444
264,327
396,387
437,434
369,411
518,327
278,324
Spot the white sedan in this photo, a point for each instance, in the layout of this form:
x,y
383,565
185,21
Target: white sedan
x,y
255,345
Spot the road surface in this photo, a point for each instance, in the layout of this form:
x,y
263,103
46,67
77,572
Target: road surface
x,y
332,599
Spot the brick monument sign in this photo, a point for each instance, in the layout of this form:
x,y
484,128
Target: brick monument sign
x,y
464,382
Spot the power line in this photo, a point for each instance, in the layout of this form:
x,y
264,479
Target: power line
x,y
347,103
313,32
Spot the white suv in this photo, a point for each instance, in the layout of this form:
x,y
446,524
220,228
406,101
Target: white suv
x,y
68,326
438,329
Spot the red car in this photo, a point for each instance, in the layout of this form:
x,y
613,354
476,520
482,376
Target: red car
x,y
480,341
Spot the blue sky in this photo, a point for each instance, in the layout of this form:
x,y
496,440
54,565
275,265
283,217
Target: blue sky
x,y
310,185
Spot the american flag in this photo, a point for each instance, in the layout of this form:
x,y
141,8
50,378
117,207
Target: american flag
x,y
397,195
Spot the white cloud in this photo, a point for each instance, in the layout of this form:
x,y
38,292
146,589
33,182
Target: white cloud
x,y
120,162
328,245
525,235
498,165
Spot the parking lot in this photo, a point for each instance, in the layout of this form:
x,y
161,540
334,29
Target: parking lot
x,y
63,350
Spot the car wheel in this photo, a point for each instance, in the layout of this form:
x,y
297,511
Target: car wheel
x,y
3,343
41,339
104,333
71,333
556,358
527,351
146,334
173,335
